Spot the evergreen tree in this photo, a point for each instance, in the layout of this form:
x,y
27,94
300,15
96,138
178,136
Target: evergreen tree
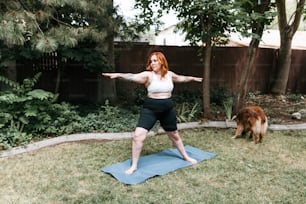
x,y
47,25
81,30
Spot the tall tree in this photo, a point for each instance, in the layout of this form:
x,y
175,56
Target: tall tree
x,y
205,23
32,28
256,15
287,29
76,29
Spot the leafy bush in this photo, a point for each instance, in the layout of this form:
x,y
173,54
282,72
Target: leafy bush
x,y
228,107
27,113
108,119
57,119
219,94
187,112
13,137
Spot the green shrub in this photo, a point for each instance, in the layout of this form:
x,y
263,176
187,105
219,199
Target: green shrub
x,y
187,112
12,136
59,119
219,94
228,107
108,119
27,113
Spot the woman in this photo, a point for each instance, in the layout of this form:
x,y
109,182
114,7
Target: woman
x,y
157,106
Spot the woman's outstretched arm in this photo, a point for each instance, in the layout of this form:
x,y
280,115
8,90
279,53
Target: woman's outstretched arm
x,y
182,78
140,78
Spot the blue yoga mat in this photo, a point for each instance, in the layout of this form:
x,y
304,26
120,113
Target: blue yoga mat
x,y
157,164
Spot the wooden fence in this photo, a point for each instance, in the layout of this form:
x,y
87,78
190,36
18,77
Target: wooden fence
x,y
77,84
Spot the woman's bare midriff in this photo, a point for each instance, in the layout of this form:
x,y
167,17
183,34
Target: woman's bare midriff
x,y
159,95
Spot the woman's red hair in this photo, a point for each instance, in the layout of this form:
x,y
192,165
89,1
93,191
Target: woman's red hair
x,y
162,60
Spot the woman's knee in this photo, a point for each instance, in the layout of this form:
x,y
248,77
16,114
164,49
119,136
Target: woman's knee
x,y
140,134
174,135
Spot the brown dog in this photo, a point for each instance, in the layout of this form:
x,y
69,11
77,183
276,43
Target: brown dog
x,y
253,119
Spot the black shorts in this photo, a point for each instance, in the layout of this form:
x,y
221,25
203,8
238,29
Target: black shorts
x,y
158,109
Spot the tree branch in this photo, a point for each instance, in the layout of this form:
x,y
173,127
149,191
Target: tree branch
x,y
60,22
28,10
282,16
298,13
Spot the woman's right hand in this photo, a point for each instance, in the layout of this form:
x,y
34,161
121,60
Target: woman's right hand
x,y
110,75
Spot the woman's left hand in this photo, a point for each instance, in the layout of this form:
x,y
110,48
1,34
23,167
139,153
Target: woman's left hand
x,y
198,79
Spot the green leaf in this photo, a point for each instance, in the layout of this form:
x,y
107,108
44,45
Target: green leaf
x,y
24,120
40,94
30,113
8,98
9,82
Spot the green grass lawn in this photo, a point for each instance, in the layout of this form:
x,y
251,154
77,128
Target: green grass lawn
x,y
271,172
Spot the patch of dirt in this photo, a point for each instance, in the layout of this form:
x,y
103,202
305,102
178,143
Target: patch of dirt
x,y
279,109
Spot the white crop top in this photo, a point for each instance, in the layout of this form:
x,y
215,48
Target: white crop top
x,y
159,85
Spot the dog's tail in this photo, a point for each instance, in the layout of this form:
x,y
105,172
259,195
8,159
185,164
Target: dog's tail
x,y
264,126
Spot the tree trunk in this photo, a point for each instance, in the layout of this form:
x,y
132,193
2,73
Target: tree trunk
x,y
11,71
58,79
206,83
287,32
243,84
284,64
257,28
106,88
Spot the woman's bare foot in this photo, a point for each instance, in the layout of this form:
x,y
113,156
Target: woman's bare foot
x,y
130,170
191,160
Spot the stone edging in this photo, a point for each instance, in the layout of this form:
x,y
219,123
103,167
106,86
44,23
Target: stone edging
x,y
125,135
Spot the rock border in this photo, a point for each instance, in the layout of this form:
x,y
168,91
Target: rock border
x,y
125,135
